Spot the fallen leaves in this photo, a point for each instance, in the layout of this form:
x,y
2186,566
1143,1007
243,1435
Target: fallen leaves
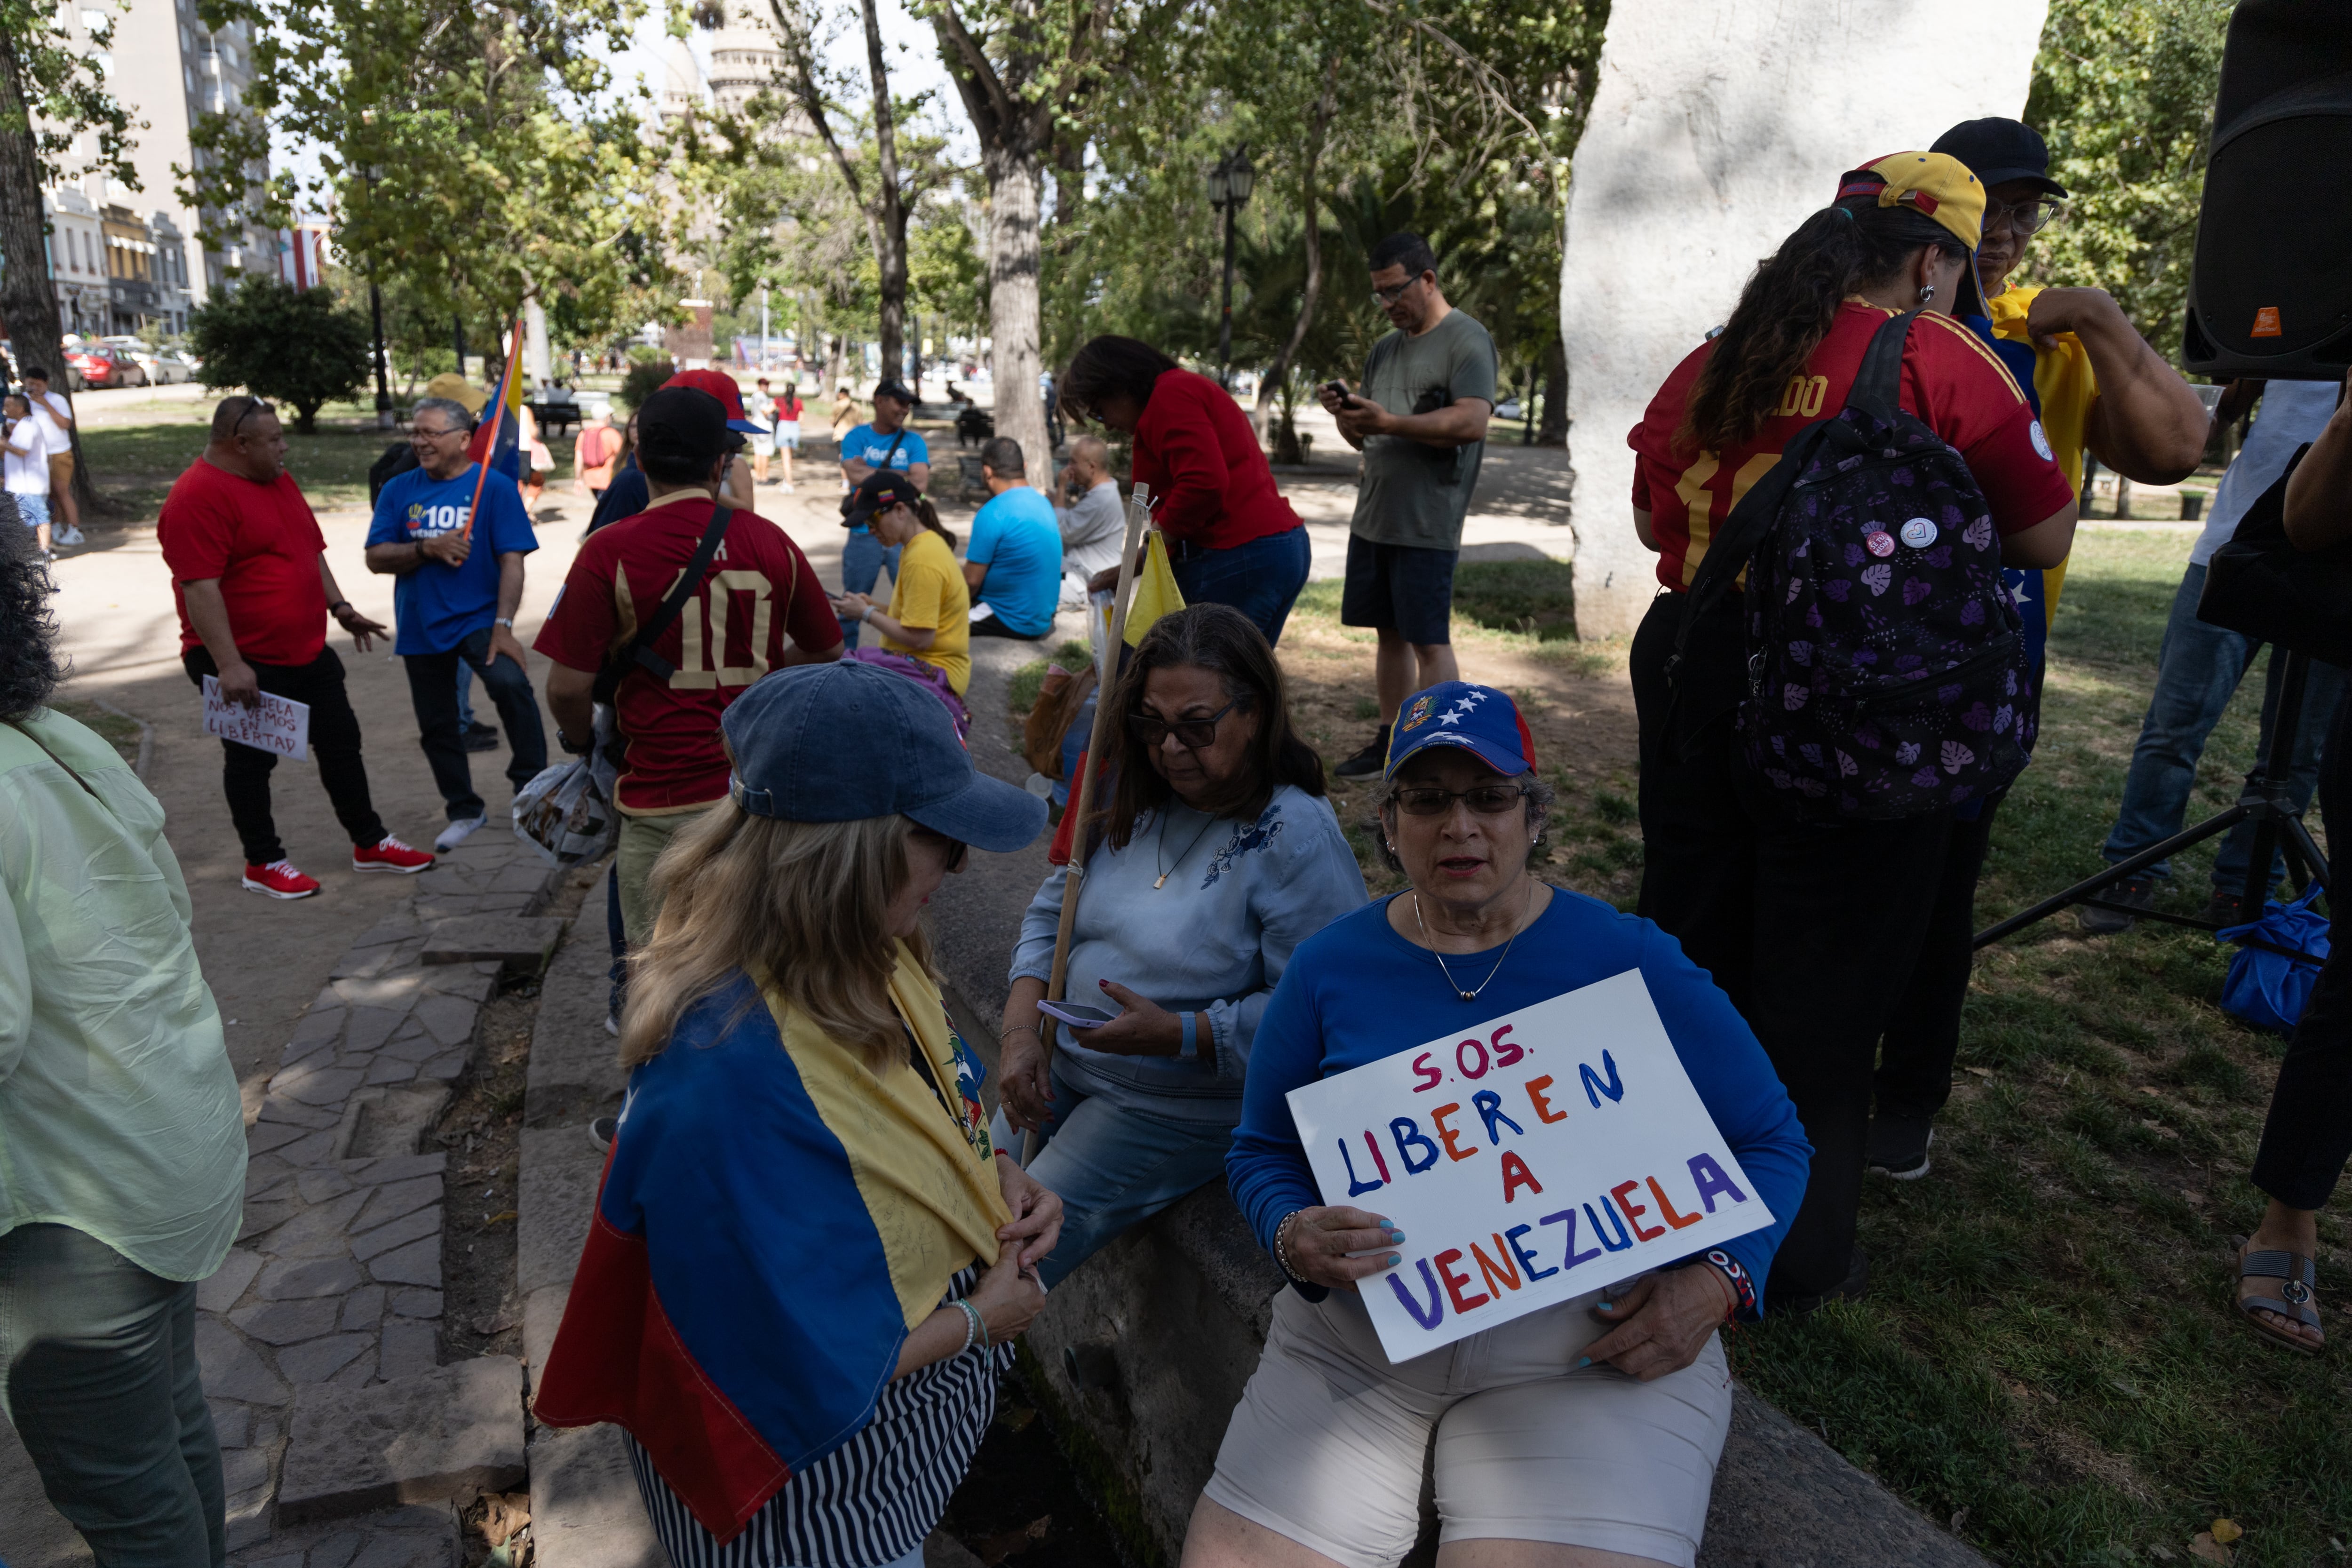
x,y
996,1549
505,1524
2213,1545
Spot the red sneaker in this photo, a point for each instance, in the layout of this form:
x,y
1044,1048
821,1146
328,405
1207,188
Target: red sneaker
x,y
278,879
390,854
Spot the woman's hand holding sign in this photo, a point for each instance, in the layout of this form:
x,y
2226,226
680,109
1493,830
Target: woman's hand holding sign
x,y
1662,1321
1314,1245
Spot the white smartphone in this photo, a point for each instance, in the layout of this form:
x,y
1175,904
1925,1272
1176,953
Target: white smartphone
x,y
1076,1015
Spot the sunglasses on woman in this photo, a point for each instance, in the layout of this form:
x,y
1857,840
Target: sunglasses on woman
x,y
2023,218
1192,734
1484,800
958,851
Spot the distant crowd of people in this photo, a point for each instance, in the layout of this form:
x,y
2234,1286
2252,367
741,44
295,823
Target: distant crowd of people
x,y
817,1238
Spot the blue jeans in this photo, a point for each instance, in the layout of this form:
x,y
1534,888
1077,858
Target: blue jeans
x,y
1261,579
101,1383
1113,1167
2198,670
863,558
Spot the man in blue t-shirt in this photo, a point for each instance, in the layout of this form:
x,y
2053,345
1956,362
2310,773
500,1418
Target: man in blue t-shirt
x,y
1015,563
459,588
887,442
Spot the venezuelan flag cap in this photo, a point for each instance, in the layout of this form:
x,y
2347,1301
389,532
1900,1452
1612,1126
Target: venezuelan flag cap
x,y
1933,184
1478,719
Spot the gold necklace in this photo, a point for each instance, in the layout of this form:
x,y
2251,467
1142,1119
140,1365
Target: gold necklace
x,y
1169,871
1472,995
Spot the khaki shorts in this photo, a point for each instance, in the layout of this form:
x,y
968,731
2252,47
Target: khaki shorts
x,y
1327,1443
643,838
60,470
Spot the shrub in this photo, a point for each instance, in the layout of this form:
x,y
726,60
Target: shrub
x,y
643,379
290,345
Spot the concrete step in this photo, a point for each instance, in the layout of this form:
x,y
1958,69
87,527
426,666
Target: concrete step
x,y
445,1434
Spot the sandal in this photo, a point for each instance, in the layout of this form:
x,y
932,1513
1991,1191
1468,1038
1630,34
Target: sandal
x,y
2297,1277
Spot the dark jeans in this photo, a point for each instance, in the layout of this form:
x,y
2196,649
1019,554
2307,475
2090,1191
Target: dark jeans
x,y
103,1386
1261,579
433,691
2309,1135
996,627
1815,925
1923,1037
2197,669
334,743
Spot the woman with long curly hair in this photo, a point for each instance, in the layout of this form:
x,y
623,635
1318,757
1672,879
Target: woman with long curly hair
x,y
1787,913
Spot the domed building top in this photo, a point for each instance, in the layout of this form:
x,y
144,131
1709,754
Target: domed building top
x,y
745,60
682,88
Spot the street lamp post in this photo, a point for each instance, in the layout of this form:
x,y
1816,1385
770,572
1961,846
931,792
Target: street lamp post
x,y
371,173
1229,189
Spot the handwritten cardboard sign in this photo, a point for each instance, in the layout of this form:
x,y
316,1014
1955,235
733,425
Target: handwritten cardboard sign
x,y
277,725
1528,1160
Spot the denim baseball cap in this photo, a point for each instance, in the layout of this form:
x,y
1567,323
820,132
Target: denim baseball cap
x,y
836,742
1478,719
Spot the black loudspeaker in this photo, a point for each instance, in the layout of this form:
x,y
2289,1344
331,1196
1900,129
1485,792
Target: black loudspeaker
x,y
2271,294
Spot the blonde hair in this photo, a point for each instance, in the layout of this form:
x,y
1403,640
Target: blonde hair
x,y
804,904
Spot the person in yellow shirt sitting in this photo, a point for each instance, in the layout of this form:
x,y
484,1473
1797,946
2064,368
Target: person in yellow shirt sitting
x,y
2096,384
927,631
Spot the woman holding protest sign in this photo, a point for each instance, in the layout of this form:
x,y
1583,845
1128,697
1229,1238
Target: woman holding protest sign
x,y
1589,1418
1217,855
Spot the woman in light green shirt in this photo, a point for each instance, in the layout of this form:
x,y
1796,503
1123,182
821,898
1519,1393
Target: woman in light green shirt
x,y
122,1139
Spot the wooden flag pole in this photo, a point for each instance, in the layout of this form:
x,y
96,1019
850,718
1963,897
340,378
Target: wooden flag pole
x,y
498,413
1139,516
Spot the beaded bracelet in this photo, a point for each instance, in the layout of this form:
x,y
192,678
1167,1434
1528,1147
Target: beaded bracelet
x,y
1281,1247
1743,1288
975,1331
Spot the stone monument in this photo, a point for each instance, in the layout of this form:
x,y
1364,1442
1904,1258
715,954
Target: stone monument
x,y
1716,127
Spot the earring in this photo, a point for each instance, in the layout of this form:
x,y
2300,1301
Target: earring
x,y
1926,293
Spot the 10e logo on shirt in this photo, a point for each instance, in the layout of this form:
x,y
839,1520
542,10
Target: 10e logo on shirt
x,y
423,519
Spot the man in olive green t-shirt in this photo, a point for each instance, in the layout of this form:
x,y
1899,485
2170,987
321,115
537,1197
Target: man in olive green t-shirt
x,y
1420,421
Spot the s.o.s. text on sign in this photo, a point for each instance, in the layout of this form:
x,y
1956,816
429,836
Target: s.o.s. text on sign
x,y
276,725
1528,1160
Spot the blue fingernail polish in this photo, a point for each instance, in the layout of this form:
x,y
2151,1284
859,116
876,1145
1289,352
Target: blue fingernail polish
x,y
1607,1307
1582,1362
1392,1260
1396,1237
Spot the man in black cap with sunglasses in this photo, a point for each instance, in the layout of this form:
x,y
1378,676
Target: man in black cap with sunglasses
x,y
2097,385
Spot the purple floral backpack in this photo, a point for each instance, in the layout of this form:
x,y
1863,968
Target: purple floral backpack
x,y
1887,662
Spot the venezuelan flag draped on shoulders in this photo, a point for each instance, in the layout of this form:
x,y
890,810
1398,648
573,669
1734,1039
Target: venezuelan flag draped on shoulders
x,y
774,1218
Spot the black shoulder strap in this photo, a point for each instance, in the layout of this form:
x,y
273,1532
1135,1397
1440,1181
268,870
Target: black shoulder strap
x,y
640,654
1877,388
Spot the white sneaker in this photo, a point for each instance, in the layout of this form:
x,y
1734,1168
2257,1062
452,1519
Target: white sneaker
x,y
611,1026
456,833
69,534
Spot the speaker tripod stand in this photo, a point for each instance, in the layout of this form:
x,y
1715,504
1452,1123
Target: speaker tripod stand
x,y
2264,802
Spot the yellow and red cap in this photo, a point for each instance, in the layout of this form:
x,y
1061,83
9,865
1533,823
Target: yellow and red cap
x,y
1934,184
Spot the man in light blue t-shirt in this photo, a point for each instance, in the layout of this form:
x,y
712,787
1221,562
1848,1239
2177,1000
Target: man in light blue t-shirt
x,y
1014,562
459,574
887,442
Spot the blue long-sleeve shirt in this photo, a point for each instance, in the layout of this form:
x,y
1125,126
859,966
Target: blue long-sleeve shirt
x,y
1358,992
1240,897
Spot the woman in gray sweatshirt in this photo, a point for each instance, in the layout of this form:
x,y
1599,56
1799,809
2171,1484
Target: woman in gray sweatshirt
x,y
1217,856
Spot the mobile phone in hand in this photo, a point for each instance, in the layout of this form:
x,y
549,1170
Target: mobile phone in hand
x,y
1339,389
1076,1015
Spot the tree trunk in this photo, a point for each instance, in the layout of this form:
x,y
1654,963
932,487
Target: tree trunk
x,y
28,299
890,202
1277,374
1554,429
1013,264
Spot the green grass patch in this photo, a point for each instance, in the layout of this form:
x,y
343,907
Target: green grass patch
x,y
1521,607
2048,1342
1021,691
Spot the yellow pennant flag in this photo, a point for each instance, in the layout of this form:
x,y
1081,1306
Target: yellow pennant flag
x,y
1155,594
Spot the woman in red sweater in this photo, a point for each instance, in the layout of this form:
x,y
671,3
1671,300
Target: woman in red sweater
x,y
1231,537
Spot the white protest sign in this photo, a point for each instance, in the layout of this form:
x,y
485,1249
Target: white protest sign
x,y
1528,1159
275,725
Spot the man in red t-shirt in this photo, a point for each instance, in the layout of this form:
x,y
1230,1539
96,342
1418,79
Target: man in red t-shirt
x,y
250,578
759,607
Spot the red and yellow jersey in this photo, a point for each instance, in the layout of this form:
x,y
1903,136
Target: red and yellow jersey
x,y
1951,380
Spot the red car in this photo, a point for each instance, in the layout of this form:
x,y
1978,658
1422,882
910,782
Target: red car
x,y
98,365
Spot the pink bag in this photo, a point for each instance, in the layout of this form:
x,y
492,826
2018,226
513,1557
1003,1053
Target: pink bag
x,y
929,676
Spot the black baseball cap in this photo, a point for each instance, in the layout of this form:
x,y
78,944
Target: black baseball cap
x,y
897,389
877,492
1998,151
682,427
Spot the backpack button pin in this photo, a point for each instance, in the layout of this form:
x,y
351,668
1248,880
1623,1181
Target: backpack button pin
x,y
1919,533
1879,542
